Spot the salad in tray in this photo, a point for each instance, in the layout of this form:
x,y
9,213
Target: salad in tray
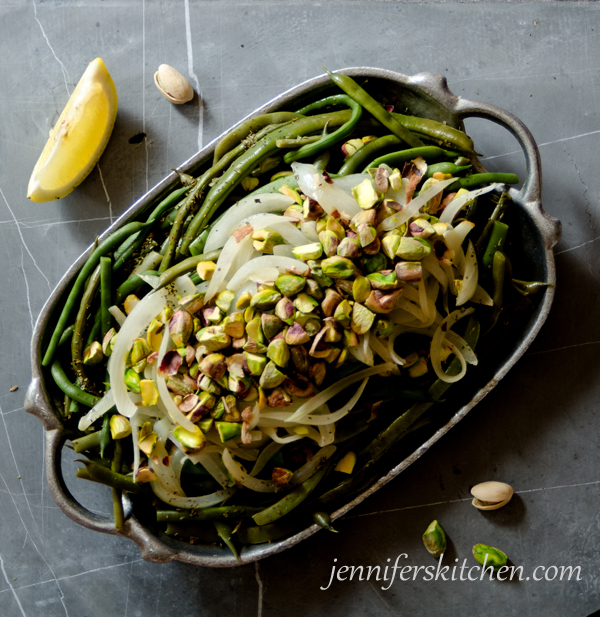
x,y
247,353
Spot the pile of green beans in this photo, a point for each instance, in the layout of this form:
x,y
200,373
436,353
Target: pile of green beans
x,y
177,227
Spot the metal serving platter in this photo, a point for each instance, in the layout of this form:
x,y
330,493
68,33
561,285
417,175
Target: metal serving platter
x,y
426,95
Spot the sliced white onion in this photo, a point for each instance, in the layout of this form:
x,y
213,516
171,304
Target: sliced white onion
x,y
367,353
150,262
137,321
439,339
453,243
423,299
266,261
409,307
329,196
267,453
183,286
481,296
210,458
327,432
224,263
470,277
462,345
330,418
269,202
432,265
290,233
272,433
245,479
309,229
414,206
150,279
97,411
163,472
462,229
454,207
347,183
284,250
315,462
264,275
118,314
204,501
380,349
450,276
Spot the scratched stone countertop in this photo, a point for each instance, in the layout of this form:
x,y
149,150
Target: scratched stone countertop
x,y
538,430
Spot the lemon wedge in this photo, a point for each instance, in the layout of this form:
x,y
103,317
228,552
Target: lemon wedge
x,y
78,138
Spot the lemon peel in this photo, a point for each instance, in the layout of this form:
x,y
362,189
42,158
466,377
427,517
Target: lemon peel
x,y
78,138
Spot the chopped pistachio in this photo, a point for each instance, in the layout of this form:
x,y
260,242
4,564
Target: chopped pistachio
x,y
330,302
419,369
254,347
316,272
413,249
181,327
120,426
155,334
249,314
147,439
205,270
410,271
224,299
365,216
243,302
264,240
191,442
206,384
305,303
352,146
349,247
271,377
317,372
108,342
256,363
330,242
290,192
145,474
213,338
343,313
308,251
212,315
361,288
249,183
290,284
228,430
265,300
233,325
421,228
362,318
271,325
434,540
130,302
132,380
279,352
192,303
214,366
93,354
489,556
279,398
149,392
366,234
296,335
350,338
284,309
389,244
374,263
239,385
313,289
382,302
365,195
298,385
383,280
140,351
254,330
383,327
338,267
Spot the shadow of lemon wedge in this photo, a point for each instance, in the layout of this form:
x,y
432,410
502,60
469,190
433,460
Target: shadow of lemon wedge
x,y
78,138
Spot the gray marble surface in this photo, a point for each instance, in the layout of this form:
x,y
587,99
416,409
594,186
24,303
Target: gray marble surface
x,y
539,430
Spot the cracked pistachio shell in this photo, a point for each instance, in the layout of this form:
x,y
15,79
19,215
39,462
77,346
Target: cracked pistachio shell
x,y
491,495
256,363
343,313
421,228
489,556
305,303
413,249
338,267
224,300
206,269
296,335
284,309
361,288
298,385
147,439
271,325
265,240
173,85
383,280
214,338
149,392
108,342
93,354
409,271
265,300
382,302
192,303
181,327
279,352
155,334
434,540
132,380
271,377
140,350
254,330
120,426
308,251
330,302
349,247
243,302
330,242
130,302
366,196
290,284
374,263
191,441
233,325
390,244
362,319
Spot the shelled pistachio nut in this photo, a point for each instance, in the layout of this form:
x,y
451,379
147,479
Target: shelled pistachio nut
x,y
173,85
491,495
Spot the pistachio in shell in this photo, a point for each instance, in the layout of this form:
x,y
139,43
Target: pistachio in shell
x,y
173,85
491,495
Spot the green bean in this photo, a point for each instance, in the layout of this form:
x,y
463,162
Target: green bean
x,y
111,478
121,256
498,270
481,179
80,321
291,500
322,160
193,531
298,142
105,437
395,159
325,142
205,514
357,160
322,519
273,187
438,131
263,534
495,243
87,442
234,137
176,230
131,285
361,96
245,163
197,246
117,501
105,293
526,288
445,168
497,215
65,337
185,266
62,381
96,329
105,247
225,531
